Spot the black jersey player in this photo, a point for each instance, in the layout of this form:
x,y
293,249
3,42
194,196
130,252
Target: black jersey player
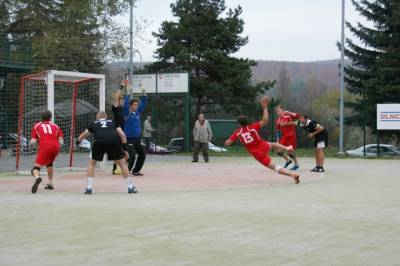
x,y
107,139
320,136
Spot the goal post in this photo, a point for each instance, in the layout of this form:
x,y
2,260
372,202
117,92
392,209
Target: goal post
x,y
74,98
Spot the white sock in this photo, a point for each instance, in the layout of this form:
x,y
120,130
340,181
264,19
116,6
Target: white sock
x,y
129,181
89,183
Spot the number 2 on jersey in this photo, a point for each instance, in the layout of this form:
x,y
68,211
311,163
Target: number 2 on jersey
x,y
47,129
103,124
247,138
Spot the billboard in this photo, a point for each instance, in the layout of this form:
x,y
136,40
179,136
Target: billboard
x,y
173,83
146,81
159,83
388,117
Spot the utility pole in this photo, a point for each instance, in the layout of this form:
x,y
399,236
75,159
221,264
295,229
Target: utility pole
x,y
131,38
341,108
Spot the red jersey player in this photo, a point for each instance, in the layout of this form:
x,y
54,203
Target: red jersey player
x,y
49,137
287,126
249,136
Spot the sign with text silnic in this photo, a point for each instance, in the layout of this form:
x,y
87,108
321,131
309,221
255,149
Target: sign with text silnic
x,y
388,117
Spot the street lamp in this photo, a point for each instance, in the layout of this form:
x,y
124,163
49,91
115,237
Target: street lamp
x,y
131,37
341,108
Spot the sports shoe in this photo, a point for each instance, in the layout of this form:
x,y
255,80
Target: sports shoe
x,y
49,186
36,184
295,167
132,189
296,179
195,161
137,174
287,163
88,190
315,169
320,170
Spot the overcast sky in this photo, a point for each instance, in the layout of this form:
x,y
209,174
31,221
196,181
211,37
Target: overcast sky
x,y
289,30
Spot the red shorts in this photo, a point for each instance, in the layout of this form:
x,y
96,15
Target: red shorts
x,y
262,154
46,155
287,141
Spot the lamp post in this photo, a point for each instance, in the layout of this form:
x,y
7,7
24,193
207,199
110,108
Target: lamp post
x,y
131,38
341,108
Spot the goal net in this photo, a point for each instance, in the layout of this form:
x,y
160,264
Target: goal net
x,y
74,99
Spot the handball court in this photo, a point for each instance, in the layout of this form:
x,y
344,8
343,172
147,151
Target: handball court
x,y
169,175
231,211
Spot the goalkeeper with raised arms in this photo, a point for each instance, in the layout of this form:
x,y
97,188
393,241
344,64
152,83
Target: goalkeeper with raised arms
x,y
133,109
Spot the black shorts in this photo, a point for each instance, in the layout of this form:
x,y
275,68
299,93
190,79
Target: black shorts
x,y
113,148
321,141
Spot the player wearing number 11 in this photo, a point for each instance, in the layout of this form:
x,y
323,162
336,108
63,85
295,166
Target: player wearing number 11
x,y
249,136
49,137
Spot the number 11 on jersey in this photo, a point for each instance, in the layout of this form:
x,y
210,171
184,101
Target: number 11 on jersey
x,y
47,129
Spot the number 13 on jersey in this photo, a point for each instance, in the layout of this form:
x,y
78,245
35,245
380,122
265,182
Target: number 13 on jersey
x,y
247,138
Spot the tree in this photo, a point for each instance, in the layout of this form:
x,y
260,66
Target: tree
x,y
70,35
283,84
375,70
201,41
315,88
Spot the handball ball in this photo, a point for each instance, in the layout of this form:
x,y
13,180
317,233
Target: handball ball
x,y
265,100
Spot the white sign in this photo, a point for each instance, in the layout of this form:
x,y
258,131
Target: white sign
x,y
388,117
146,82
173,83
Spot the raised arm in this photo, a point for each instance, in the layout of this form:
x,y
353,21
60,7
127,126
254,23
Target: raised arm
x,y
143,103
264,105
127,98
117,97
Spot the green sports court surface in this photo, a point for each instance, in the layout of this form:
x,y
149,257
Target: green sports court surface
x,y
229,212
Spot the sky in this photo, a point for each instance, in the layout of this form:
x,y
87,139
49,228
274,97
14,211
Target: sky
x,y
283,30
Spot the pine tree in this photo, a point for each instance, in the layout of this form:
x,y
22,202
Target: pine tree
x,y
201,41
374,73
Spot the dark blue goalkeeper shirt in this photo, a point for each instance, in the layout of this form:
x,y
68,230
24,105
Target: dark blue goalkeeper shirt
x,y
132,119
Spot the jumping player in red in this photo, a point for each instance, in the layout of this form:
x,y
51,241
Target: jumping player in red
x,y
49,137
256,146
287,126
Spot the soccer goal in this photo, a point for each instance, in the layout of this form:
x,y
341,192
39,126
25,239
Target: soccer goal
x,y
74,98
